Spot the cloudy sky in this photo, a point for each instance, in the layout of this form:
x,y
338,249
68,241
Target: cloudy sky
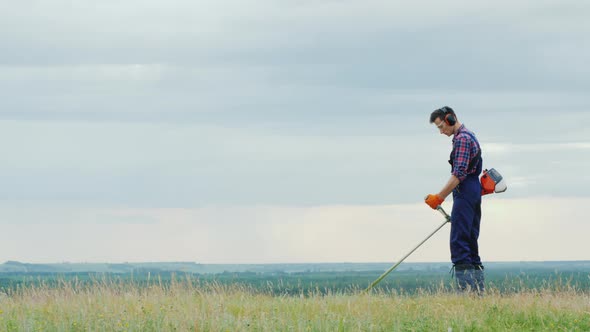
x,y
286,131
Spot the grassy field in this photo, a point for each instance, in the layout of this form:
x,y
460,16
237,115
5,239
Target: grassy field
x,y
185,306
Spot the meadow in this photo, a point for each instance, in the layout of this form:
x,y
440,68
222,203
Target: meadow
x,y
186,303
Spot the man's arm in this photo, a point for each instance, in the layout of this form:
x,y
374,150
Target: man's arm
x,y
462,157
460,163
448,188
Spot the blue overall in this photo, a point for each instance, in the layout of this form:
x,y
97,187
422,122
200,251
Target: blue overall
x,y
465,220
466,217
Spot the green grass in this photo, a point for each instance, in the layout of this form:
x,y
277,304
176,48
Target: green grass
x,y
184,305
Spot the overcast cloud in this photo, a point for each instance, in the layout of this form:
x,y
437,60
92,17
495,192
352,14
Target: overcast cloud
x,y
109,107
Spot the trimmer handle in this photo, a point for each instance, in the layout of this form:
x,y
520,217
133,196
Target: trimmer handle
x,y
444,213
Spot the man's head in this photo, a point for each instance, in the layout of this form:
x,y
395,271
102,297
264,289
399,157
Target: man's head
x,y
445,120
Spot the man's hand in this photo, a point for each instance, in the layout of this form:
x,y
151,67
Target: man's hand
x,y
434,200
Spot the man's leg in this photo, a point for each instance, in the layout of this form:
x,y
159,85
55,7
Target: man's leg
x,y
464,277
478,273
462,217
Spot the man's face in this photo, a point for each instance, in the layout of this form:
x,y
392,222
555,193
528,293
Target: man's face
x,y
443,127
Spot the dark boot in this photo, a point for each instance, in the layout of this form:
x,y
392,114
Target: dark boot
x,y
464,275
479,278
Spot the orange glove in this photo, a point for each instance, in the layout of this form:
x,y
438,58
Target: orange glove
x,y
434,200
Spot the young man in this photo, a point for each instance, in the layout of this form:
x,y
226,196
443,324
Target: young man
x,y
466,166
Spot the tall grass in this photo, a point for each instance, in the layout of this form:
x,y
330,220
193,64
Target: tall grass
x,y
190,305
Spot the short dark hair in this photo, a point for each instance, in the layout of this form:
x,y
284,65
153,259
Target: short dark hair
x,y
440,113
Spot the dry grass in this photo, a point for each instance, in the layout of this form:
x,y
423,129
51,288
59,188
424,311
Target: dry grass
x,y
186,306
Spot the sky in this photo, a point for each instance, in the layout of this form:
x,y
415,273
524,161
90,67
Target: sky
x,y
287,131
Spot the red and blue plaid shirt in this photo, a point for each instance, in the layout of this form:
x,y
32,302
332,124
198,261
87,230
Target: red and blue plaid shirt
x,y
465,148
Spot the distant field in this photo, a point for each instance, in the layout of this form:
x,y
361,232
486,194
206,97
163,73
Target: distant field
x,y
280,283
184,305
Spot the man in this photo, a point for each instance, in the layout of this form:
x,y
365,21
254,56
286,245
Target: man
x,y
466,165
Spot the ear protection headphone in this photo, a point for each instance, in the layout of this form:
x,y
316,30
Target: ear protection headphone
x,y
450,118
